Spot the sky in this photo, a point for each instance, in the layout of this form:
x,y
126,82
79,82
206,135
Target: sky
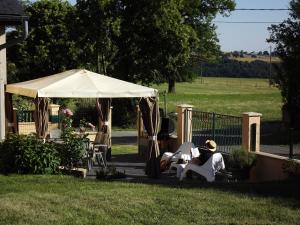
x,y
248,37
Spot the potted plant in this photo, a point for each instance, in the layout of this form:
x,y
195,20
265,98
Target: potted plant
x,y
240,163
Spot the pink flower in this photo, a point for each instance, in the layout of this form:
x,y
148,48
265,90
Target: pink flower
x,y
68,112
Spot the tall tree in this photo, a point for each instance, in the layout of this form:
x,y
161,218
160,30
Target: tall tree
x,y
158,37
49,47
286,37
97,24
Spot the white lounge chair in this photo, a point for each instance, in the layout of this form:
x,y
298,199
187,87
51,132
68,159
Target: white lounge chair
x,y
183,152
207,170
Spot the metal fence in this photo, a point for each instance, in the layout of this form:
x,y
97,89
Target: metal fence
x,y
224,129
25,116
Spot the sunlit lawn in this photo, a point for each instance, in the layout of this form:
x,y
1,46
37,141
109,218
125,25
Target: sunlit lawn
x,y
118,149
231,96
66,200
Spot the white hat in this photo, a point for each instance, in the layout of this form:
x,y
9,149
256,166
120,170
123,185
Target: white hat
x,y
211,145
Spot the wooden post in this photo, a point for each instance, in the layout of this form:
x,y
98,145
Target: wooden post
x,y
3,81
184,123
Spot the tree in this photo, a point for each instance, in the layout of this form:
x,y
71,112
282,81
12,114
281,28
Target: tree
x,y
97,25
158,38
49,47
286,37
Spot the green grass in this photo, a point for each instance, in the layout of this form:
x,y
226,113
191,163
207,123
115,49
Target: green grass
x,y
124,149
66,200
231,96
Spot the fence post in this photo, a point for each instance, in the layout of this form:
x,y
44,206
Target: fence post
x,y
251,131
214,126
184,123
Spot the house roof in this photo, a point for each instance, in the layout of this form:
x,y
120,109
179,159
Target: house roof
x,y
11,12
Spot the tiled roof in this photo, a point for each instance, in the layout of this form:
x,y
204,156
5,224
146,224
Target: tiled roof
x,y
11,7
11,12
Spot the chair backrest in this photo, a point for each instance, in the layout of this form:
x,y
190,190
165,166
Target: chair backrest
x,y
101,138
55,133
183,152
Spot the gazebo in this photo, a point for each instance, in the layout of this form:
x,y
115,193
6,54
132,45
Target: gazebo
x,y
80,83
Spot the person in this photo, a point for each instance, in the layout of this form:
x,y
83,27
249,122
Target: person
x,y
206,152
207,164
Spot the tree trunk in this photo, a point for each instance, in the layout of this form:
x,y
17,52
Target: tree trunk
x,y
171,88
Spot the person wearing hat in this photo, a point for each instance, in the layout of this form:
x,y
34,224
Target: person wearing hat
x,y
206,152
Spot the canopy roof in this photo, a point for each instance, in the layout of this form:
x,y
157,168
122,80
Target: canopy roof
x,y
79,83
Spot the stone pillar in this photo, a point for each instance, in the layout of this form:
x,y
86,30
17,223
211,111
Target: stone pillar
x,y
251,131
53,112
3,81
184,123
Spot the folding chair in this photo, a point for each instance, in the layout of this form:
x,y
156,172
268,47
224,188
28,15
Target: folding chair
x,y
99,149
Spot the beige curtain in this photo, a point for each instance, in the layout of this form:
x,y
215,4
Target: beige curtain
x,y
41,116
103,108
150,114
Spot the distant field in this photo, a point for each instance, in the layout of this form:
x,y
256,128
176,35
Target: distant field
x,y
231,96
261,58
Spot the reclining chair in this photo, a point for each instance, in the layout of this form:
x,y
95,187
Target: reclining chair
x,y
183,153
208,170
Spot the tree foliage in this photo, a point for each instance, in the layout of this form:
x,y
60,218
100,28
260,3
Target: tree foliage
x,y
135,40
49,47
97,25
286,37
158,38
234,68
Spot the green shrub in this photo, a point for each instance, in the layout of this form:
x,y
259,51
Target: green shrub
x,y
72,149
240,159
292,168
26,154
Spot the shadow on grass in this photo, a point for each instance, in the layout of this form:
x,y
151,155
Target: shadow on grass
x,y
283,189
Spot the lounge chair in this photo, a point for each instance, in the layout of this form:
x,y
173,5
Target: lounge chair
x,y
208,170
183,153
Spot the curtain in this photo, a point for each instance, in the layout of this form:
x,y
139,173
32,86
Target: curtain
x,y
103,108
41,116
150,114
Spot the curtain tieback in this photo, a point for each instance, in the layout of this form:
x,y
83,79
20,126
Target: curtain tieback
x,y
152,138
106,123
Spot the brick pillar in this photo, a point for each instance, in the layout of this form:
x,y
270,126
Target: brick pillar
x,y
3,81
184,123
251,131
53,112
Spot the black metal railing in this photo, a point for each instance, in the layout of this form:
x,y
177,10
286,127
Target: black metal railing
x,y
225,130
25,116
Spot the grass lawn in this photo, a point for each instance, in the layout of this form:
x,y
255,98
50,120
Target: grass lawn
x,y
66,200
231,96
124,149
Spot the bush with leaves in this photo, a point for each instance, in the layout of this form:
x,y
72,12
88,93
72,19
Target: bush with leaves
x,y
26,154
72,149
241,159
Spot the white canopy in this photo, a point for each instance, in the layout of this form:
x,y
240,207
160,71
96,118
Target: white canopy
x,y
79,83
